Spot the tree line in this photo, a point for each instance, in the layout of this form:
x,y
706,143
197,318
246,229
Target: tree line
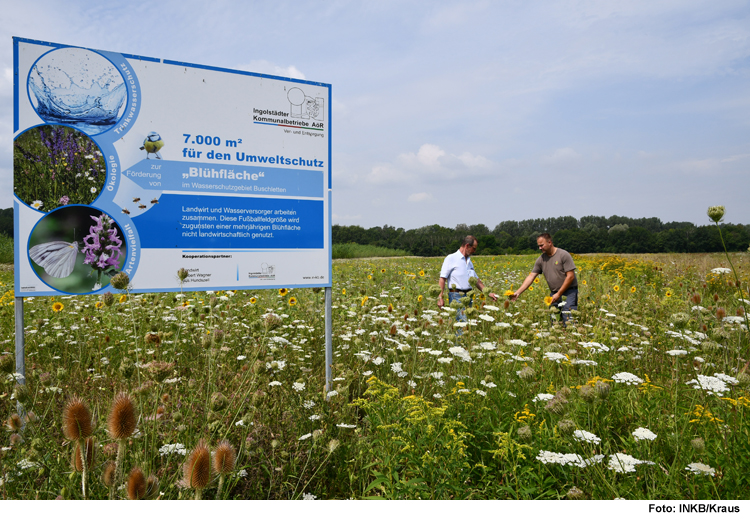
x,y
589,234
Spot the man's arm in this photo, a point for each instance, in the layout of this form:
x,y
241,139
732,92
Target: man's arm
x,y
569,276
481,288
526,283
441,283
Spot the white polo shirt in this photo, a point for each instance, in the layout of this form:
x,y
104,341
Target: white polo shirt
x,y
457,270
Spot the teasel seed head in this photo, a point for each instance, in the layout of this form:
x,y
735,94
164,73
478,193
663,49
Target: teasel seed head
x,y
136,484
224,458
152,487
197,469
14,423
16,439
108,474
120,281
77,462
77,419
121,422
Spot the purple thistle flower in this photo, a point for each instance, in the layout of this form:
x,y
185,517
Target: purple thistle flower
x,y
64,200
102,245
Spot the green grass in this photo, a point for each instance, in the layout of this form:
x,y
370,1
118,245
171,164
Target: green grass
x,y
6,249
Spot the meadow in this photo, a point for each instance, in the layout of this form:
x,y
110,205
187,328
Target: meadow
x,y
221,394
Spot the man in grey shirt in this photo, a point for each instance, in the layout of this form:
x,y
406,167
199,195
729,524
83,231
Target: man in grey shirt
x,y
559,270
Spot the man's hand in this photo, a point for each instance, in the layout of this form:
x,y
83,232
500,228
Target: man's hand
x,y
440,302
514,296
493,297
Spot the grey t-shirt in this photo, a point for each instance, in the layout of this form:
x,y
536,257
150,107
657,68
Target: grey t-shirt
x,y
555,269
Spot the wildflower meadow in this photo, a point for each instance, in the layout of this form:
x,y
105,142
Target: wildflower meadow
x,y
645,395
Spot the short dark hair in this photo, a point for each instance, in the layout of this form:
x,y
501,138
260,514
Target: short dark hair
x,y
469,240
545,236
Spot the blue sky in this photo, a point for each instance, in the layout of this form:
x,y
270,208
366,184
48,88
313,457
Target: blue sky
x,y
471,112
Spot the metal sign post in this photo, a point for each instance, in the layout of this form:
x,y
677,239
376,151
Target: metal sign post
x,y
20,358
329,341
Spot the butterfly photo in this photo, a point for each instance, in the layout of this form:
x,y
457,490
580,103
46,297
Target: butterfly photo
x,y
60,237
57,258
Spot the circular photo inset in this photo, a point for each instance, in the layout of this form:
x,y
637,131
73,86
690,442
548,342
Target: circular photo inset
x,y
55,165
77,249
77,87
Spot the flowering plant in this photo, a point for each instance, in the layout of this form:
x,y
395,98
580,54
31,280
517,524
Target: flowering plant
x,y
102,247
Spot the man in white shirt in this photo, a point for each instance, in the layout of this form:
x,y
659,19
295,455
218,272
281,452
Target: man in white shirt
x,y
456,271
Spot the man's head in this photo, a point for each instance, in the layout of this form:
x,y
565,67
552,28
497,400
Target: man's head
x,y
544,242
469,245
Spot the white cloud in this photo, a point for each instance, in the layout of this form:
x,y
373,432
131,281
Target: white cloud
x,y
562,156
420,197
345,219
264,66
428,164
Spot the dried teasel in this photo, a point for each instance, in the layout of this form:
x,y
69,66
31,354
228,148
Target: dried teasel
x,y
14,422
136,484
108,473
77,461
122,421
197,469
152,487
77,419
224,458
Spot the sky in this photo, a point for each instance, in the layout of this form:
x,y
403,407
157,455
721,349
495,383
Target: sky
x,y
470,112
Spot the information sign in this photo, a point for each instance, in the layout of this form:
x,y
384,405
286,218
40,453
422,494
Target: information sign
x,y
142,165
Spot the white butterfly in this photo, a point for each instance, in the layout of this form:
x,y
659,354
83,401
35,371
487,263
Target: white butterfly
x,y
57,258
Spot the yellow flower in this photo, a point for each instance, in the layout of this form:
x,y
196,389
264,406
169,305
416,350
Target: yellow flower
x,y
369,277
99,304
421,273
292,301
419,299
508,293
283,291
382,270
583,282
616,288
343,291
536,281
57,307
123,298
253,300
364,300
669,293
548,300
632,290
531,288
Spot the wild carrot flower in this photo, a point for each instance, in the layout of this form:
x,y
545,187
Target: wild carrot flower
x,y
698,468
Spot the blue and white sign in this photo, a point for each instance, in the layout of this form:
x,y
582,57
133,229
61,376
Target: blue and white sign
x,y
142,165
